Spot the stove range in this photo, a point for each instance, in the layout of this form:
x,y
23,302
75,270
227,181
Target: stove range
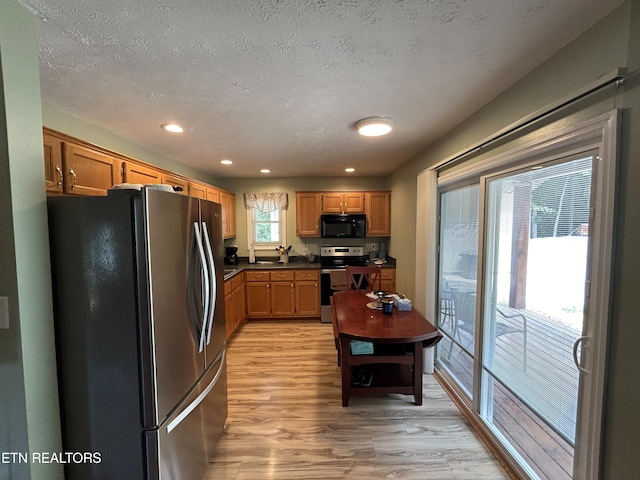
x,y
332,258
335,259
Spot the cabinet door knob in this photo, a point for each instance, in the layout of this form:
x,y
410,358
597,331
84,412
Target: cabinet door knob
x,y
75,178
59,170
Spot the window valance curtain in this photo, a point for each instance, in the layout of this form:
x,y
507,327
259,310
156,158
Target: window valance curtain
x,y
266,201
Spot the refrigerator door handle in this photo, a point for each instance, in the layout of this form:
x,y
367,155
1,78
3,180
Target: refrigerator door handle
x,y
205,288
193,301
198,400
212,281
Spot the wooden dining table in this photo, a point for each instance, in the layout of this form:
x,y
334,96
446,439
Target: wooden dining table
x,y
395,362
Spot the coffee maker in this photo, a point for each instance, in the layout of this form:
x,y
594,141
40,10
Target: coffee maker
x,y
231,255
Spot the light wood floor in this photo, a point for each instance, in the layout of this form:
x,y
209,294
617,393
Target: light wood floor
x,y
286,420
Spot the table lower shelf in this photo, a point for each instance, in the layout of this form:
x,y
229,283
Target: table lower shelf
x,y
386,378
395,368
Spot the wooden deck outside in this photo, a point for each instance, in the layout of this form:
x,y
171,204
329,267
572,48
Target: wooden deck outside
x,y
533,389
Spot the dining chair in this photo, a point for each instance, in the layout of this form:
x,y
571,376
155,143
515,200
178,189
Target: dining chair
x,y
359,278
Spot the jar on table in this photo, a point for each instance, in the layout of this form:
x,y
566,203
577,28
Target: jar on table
x,y
387,305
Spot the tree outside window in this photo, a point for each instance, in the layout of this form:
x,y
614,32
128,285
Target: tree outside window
x,y
267,228
266,219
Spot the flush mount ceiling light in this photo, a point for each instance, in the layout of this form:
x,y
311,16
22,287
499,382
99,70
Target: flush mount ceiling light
x,y
349,169
265,170
374,126
172,127
226,162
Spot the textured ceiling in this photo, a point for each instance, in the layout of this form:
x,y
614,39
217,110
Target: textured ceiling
x,y
279,84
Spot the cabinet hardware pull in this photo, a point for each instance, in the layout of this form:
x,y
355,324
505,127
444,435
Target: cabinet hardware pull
x,y
59,170
75,178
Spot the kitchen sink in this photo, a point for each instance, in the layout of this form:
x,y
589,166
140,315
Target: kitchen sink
x,y
229,271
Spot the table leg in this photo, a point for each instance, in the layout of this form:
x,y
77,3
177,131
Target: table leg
x,y
345,365
418,358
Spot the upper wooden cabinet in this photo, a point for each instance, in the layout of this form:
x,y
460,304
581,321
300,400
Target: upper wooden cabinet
x,y
342,202
213,194
377,207
77,170
87,171
53,173
136,173
197,190
75,167
308,211
176,181
228,201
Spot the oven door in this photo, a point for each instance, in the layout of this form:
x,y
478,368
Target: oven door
x,y
326,291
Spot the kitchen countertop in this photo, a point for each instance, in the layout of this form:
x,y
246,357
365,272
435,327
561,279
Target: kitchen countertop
x,y
294,264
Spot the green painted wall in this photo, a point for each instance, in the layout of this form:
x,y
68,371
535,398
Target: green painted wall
x,y
613,42
29,418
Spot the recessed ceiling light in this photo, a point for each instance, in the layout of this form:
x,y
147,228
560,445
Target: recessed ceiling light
x,y
350,170
265,170
172,127
226,162
375,126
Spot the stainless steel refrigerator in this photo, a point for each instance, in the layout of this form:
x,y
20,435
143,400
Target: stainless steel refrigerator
x,y
140,337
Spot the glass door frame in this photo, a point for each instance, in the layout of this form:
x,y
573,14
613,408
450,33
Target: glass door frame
x,y
600,134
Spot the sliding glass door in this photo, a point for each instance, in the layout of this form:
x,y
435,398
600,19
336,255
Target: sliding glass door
x,y
524,255
537,225
458,261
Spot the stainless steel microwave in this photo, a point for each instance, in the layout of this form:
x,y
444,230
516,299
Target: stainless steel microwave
x,y
343,226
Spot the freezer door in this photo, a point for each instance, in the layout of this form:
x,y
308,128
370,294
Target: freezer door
x,y
211,222
97,336
182,447
172,338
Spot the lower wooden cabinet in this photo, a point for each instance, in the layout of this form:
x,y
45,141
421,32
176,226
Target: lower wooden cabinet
x,y
283,293
388,280
307,293
234,303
